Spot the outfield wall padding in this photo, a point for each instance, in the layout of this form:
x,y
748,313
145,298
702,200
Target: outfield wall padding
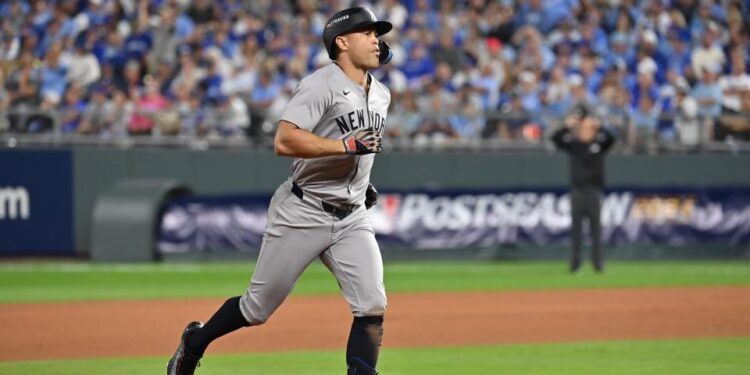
x,y
216,172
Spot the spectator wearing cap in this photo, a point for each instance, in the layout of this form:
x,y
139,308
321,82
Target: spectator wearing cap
x,y
677,50
586,142
649,48
645,84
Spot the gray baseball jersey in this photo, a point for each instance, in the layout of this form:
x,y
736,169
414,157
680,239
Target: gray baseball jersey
x,y
329,104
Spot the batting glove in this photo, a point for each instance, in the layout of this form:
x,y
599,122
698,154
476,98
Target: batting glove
x,y
363,142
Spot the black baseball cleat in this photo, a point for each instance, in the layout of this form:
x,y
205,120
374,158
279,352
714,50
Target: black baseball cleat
x,y
183,362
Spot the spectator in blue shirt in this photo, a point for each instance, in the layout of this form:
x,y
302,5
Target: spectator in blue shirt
x,y
644,120
71,110
41,15
263,95
53,74
593,36
535,13
138,43
619,50
708,94
419,67
677,51
592,77
644,84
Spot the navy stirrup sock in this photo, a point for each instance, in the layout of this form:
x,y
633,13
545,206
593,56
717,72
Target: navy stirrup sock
x,y
364,340
227,319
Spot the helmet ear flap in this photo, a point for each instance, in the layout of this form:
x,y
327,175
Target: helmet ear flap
x,y
386,54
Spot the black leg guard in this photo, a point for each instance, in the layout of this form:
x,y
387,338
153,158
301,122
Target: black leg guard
x,y
364,345
359,367
227,319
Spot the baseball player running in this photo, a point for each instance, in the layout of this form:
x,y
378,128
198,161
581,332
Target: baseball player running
x,y
332,126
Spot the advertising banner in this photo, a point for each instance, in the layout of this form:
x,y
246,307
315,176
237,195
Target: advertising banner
x,y
455,219
36,202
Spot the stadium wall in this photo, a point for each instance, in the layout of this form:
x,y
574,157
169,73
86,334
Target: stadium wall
x,y
217,172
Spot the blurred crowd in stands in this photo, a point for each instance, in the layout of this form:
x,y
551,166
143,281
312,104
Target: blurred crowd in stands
x,y
657,71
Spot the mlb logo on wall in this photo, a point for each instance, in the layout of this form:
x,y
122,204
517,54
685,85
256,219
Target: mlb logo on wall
x,y
36,202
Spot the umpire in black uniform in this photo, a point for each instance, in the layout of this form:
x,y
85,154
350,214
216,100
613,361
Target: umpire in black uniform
x,y
587,143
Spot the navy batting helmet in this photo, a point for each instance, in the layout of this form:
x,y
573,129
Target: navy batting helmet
x,y
349,20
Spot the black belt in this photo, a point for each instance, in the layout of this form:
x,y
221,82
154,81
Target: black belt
x,y
339,212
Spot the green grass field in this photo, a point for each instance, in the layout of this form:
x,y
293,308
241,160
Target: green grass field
x,y
34,282
686,357
45,281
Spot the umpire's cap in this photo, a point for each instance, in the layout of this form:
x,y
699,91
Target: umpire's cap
x,y
349,20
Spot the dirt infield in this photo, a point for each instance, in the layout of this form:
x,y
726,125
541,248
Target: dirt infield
x,y
147,328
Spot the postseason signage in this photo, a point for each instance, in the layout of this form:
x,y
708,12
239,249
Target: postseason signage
x,y
454,219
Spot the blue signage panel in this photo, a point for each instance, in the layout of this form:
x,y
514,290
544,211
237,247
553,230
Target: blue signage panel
x,y
36,202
